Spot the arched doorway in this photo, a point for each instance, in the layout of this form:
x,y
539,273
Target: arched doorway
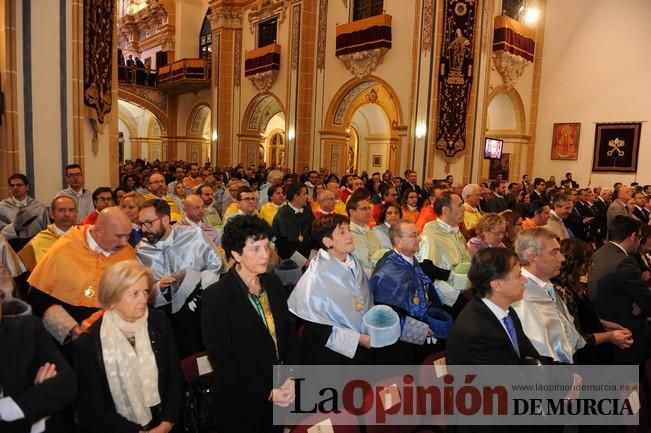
x,y
139,132
262,136
363,128
505,120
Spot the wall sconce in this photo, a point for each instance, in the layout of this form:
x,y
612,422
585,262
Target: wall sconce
x,y
421,130
214,136
531,16
290,134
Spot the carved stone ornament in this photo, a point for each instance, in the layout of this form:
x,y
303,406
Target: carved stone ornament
x,y
363,63
225,18
510,66
263,9
264,80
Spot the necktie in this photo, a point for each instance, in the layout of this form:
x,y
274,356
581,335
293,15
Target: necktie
x,y
508,323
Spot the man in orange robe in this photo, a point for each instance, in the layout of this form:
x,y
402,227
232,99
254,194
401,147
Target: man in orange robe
x,y
64,283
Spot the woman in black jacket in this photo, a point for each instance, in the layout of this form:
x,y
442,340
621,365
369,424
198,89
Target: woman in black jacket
x,y
129,374
247,329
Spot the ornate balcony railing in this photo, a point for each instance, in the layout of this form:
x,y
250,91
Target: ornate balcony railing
x,y
261,66
361,44
184,76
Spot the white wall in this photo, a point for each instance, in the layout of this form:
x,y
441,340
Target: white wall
x,y
595,69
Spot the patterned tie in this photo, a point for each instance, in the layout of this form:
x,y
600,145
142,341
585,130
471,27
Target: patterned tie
x,y
508,322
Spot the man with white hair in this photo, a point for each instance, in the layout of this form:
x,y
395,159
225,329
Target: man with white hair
x,y
619,206
274,178
544,316
471,195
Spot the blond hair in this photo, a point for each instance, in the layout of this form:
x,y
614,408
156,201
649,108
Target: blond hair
x,y
118,278
136,196
487,222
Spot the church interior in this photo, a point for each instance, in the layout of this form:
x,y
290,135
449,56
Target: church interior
x,y
346,85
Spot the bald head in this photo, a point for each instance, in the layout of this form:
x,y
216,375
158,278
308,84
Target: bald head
x,y
326,200
112,229
194,208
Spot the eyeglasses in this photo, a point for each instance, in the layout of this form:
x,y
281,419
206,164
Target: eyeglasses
x,y
148,224
411,235
74,175
247,199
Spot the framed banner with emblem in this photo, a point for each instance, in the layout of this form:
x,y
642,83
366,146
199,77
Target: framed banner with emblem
x,y
616,147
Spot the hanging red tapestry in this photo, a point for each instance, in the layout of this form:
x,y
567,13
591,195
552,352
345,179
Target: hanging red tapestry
x,y
455,75
98,56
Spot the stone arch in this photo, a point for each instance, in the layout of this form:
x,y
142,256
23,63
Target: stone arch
x,y
349,98
199,115
260,109
516,101
256,117
506,103
156,110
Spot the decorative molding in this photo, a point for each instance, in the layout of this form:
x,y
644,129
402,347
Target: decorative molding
x,y
263,9
372,98
151,95
237,67
145,26
342,109
510,66
264,80
296,31
363,63
251,154
199,118
335,157
222,17
321,39
428,16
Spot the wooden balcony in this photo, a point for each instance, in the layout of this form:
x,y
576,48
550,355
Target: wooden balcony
x,y
262,59
363,35
184,76
261,66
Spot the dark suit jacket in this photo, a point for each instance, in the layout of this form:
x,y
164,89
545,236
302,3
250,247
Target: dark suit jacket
x,y
240,347
600,210
95,404
641,215
615,284
288,227
24,347
496,204
478,338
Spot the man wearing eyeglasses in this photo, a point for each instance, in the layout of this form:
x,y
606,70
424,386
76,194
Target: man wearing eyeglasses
x,y
21,217
245,203
158,190
103,198
399,281
82,197
184,262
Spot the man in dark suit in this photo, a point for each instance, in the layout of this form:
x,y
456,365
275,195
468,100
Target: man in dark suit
x,y
538,192
616,284
488,331
580,220
411,183
497,202
600,210
639,210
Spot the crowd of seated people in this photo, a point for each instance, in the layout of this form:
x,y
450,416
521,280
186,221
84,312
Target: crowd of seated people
x,y
105,291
